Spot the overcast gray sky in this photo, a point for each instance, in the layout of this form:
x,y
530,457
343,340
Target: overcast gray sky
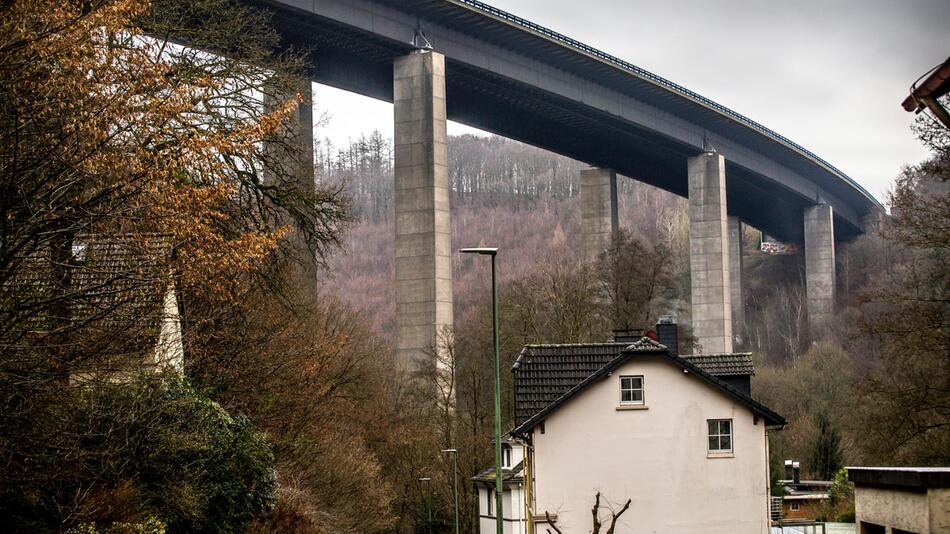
x,y
830,75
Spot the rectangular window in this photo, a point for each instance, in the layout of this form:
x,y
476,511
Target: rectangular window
x,y
631,390
720,435
491,501
794,507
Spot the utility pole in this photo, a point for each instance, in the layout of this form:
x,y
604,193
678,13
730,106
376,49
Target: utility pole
x,y
428,486
455,482
499,485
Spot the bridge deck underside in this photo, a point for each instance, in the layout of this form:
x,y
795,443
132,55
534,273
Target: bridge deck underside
x,y
358,61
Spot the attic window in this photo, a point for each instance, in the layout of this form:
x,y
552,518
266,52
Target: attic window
x,y
631,390
506,455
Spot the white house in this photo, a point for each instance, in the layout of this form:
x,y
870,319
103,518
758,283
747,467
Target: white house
x,y
121,301
513,498
679,436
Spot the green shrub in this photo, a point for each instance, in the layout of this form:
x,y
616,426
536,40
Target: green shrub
x,y
122,453
150,525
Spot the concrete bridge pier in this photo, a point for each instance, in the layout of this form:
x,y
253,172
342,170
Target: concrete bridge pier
x,y
299,163
599,218
709,254
819,265
305,170
735,277
296,160
423,224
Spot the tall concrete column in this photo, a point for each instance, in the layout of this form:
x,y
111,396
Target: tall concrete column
x,y
709,254
295,158
599,219
423,225
735,276
819,264
304,124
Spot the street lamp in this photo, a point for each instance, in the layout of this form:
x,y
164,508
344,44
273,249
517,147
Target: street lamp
x,y
499,489
428,481
455,483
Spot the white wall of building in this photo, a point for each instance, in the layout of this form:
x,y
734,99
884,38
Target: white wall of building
x,y
514,511
170,349
655,456
891,507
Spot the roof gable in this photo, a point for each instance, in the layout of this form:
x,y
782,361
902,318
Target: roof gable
x,y
545,372
547,376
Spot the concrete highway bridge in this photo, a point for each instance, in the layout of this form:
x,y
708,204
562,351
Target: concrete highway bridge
x,y
469,62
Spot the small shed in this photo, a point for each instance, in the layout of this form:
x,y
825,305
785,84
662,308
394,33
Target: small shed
x,y
901,500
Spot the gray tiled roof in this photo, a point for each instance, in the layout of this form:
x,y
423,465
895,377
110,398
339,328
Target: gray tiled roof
x,y
117,284
643,346
739,364
543,373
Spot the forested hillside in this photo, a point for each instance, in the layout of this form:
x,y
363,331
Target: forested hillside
x,y
506,194
526,201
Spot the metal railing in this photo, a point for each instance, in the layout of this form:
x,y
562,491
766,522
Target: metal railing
x,y
798,527
775,508
662,82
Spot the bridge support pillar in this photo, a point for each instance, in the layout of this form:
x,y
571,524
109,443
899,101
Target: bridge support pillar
x,y
735,278
709,254
423,225
304,120
298,161
599,218
294,161
819,265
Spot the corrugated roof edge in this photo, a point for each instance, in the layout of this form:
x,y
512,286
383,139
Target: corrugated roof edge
x,y
511,474
648,346
665,84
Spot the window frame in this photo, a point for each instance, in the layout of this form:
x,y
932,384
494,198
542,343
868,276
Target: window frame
x,y
719,435
641,389
490,502
505,456
794,506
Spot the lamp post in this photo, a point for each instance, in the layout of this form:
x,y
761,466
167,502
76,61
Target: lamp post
x,y
455,482
499,489
428,481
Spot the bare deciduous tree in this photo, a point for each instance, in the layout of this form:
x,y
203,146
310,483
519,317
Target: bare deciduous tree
x,y
595,513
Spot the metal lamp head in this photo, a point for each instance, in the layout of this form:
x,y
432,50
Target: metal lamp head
x,y
489,251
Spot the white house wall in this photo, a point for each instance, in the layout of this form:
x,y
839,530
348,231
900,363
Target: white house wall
x,y
170,350
513,501
656,456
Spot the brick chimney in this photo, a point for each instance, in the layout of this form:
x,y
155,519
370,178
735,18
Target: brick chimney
x,y
796,472
667,333
789,474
